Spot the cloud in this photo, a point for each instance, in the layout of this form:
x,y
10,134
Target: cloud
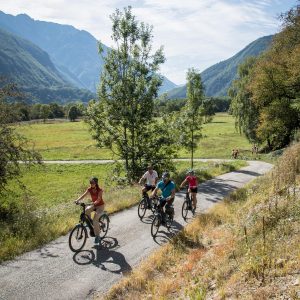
x,y
195,33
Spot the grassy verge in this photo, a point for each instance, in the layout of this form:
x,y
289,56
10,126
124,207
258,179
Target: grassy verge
x,y
72,141
47,210
244,248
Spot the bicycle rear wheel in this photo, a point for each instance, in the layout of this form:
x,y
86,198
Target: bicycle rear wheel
x,y
77,238
155,225
104,225
142,208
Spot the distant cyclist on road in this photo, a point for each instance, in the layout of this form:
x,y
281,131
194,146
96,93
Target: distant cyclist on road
x,y
167,187
150,180
98,205
191,179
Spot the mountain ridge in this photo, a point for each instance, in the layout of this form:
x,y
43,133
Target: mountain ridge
x,y
74,52
218,78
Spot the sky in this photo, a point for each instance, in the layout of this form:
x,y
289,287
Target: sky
x,y
194,33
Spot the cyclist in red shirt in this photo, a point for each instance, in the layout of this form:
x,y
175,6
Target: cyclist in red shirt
x,y
193,187
98,205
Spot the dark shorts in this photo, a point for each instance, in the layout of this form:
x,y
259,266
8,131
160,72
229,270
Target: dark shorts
x,y
149,187
194,190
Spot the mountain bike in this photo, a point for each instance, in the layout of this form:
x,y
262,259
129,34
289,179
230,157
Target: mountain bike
x,y
79,233
162,218
145,204
187,206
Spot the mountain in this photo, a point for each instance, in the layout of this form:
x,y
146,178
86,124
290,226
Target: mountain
x,y
74,52
31,68
218,78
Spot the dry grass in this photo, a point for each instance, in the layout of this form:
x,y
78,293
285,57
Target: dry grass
x,y
245,248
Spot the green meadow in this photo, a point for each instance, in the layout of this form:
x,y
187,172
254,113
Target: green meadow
x,y
73,141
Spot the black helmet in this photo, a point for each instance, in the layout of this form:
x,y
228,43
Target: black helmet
x,y
94,179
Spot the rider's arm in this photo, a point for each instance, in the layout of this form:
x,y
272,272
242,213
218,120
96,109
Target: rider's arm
x,y
142,178
82,196
153,194
183,183
99,199
172,196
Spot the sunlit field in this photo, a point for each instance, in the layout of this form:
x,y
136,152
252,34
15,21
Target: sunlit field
x,y
73,141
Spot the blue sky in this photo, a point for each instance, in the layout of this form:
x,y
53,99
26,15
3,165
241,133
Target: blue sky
x,y
194,33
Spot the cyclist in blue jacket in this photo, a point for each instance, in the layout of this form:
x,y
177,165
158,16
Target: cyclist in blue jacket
x,y
167,187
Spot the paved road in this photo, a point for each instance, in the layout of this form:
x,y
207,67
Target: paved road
x,y
54,272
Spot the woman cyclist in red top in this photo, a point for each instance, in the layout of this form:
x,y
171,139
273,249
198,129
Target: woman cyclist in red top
x,y
98,205
193,187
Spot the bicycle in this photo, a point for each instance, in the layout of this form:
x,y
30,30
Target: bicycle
x,y
159,218
79,234
145,204
187,206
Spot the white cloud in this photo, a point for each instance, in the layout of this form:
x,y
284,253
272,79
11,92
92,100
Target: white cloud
x,y
195,33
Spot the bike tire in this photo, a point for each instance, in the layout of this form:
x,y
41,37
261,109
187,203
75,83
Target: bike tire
x,y
142,208
169,222
77,238
155,225
185,209
104,225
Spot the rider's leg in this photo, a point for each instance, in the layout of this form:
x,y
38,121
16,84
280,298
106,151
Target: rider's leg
x,y
194,198
98,212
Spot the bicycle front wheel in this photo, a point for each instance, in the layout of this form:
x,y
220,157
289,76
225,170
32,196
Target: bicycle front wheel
x,y
77,238
155,225
185,209
142,208
104,224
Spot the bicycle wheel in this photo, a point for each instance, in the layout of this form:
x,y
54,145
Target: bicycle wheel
x,y
142,208
155,225
77,238
169,222
104,225
185,209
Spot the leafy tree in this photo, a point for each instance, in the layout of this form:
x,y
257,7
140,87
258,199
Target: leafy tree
x,y
122,119
191,116
56,110
242,107
13,146
73,113
275,84
44,112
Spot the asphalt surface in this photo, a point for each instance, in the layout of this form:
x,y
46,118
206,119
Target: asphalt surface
x,y
54,272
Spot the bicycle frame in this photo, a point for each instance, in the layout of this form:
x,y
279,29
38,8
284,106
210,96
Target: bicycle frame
x,y
84,218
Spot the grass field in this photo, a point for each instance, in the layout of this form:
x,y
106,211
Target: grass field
x,y
72,140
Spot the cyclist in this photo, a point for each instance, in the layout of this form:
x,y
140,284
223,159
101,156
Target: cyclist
x,y
167,187
150,180
193,184
98,205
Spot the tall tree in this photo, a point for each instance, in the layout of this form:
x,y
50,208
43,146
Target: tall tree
x,y
191,116
14,148
275,84
121,119
242,106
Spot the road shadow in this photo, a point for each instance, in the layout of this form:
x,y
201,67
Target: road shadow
x,y
164,234
103,257
251,173
147,219
219,188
